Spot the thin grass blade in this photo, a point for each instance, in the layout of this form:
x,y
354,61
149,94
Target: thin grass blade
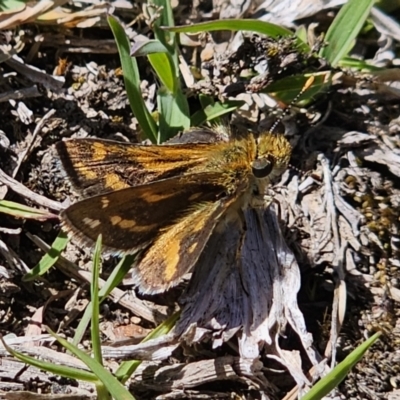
x,y
333,379
132,81
251,25
344,29
127,368
288,88
22,211
60,370
213,111
49,259
117,390
115,278
94,292
174,114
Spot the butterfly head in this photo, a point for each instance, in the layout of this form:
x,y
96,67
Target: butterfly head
x,y
273,155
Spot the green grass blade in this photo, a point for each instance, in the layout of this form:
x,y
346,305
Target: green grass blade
x,y
168,38
288,88
213,111
115,278
94,295
144,48
251,25
49,259
117,275
360,65
167,16
164,328
132,81
83,324
117,390
12,5
127,368
344,29
22,211
60,370
174,114
301,33
160,60
165,70
333,379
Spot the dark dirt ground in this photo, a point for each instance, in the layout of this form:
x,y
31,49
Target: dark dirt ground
x,y
355,129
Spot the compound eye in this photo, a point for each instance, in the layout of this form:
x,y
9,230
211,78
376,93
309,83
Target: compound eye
x,y
262,167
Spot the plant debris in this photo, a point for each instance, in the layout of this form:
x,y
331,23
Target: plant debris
x,y
334,228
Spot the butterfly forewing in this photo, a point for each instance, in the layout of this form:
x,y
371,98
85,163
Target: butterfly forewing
x,y
98,166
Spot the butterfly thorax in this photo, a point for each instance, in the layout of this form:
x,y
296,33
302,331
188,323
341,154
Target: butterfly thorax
x,y
245,166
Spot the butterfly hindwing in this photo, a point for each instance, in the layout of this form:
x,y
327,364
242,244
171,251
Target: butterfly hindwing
x,y
131,218
177,249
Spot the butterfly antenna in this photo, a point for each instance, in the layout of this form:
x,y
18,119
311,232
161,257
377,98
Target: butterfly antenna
x,y
287,110
298,170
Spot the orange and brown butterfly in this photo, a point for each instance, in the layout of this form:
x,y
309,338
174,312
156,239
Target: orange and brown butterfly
x,y
164,201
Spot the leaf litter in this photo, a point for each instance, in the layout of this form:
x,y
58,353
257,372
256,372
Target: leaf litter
x,y
336,226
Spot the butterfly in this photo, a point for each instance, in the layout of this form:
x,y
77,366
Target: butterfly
x,y
164,202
